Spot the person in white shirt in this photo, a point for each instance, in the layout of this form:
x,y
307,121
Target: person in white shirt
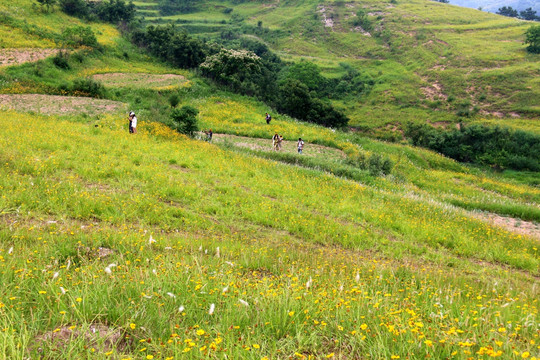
x,y
132,123
300,145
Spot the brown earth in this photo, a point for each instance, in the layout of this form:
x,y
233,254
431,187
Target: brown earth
x,y
511,224
58,105
10,57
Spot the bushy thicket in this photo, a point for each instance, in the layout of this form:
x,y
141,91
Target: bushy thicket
x,y
499,147
250,68
168,44
184,120
112,11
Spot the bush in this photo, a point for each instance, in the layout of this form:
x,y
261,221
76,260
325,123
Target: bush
x,y
114,11
533,39
88,87
499,147
184,120
79,36
174,99
61,60
77,8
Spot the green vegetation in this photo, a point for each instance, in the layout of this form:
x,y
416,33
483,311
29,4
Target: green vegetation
x,y
158,246
533,39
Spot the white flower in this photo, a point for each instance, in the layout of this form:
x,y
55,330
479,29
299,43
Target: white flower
x,y
111,265
151,240
68,264
217,251
62,290
229,263
308,284
225,289
357,277
181,309
171,294
10,250
245,303
154,271
55,275
108,270
212,308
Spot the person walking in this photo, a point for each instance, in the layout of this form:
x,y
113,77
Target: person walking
x,y
300,145
275,140
268,118
130,117
280,140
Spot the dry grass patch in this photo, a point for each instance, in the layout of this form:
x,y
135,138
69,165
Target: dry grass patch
x,y
58,105
10,57
512,225
140,80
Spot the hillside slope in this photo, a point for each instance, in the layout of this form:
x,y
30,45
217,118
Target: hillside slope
x,y
174,247
429,61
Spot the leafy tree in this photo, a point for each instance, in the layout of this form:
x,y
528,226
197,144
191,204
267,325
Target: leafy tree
x,y
48,4
507,11
532,37
77,8
184,120
307,73
528,14
443,1
240,70
114,11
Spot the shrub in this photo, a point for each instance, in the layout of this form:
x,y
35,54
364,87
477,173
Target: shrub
x,y
79,36
61,60
77,8
174,99
184,120
533,39
89,87
114,11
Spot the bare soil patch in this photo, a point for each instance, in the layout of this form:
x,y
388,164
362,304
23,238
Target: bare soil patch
x,y
140,80
58,105
511,224
98,336
10,57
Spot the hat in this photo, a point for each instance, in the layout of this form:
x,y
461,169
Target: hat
x,y
131,113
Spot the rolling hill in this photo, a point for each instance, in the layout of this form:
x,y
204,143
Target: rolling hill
x,y
162,246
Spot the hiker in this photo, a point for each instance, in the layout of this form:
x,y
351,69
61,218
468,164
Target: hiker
x,y
268,118
300,145
275,140
132,123
209,134
280,140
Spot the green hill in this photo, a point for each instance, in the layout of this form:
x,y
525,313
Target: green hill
x,y
428,60
159,246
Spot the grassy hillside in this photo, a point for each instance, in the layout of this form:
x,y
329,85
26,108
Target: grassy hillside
x,y
429,60
288,269
156,246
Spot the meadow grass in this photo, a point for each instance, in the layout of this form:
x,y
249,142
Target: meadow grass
x,y
290,270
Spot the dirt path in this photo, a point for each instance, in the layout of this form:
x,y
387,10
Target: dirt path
x,y
10,57
58,105
140,80
511,224
258,144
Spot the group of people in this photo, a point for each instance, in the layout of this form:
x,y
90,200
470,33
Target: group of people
x,y
278,139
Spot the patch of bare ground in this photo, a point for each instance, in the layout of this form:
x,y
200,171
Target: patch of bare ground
x,y
434,91
98,336
327,20
10,57
512,224
445,124
58,105
140,80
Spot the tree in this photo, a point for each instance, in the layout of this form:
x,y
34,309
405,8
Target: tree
x,y
528,14
532,38
507,11
47,3
307,73
184,120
